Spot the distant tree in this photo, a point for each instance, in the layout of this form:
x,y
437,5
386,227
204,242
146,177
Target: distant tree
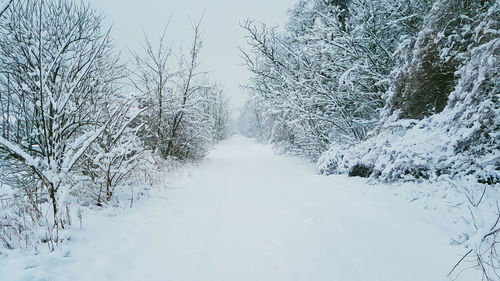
x,y
176,123
151,78
219,113
251,121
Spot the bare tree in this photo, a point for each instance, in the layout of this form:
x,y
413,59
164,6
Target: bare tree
x,y
175,123
219,112
150,78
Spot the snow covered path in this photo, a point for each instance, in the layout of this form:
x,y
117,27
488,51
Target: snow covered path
x,y
248,214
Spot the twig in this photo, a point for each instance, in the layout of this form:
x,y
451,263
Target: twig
x,y
6,7
459,262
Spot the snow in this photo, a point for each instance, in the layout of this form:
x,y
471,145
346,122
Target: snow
x,y
246,213
18,151
4,4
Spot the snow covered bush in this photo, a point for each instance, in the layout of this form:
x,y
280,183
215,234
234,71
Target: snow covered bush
x,y
58,72
113,157
482,237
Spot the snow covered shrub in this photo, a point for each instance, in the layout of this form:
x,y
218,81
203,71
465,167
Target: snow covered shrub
x,y
112,158
20,212
57,87
360,170
482,237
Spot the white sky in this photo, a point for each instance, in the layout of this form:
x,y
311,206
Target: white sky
x,y
221,32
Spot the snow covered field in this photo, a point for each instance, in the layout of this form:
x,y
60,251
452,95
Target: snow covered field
x,y
249,214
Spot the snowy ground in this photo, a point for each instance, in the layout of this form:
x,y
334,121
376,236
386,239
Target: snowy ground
x,y
248,214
